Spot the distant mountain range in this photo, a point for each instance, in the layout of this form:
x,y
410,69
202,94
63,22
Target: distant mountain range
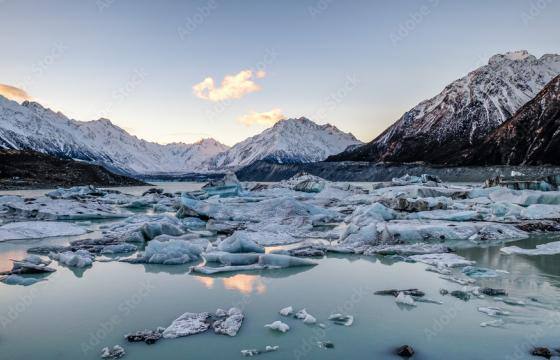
x,y
30,126
291,141
463,114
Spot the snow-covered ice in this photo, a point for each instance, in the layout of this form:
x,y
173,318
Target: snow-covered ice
x,y
38,229
278,326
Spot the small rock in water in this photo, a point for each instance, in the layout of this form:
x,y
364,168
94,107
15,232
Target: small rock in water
x,y
443,292
340,319
395,292
287,311
493,292
542,352
253,352
325,344
148,336
116,352
493,323
463,295
405,351
278,326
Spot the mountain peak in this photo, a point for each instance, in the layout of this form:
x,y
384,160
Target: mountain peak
x,y
519,55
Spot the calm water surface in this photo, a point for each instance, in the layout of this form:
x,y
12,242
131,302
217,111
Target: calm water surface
x,y
76,313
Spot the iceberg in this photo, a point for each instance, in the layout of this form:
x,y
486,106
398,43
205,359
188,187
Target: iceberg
x,y
305,317
19,280
228,324
254,352
188,324
241,242
551,248
118,249
406,250
32,264
278,326
442,260
265,261
171,252
78,259
141,228
38,229
404,299
287,311
116,352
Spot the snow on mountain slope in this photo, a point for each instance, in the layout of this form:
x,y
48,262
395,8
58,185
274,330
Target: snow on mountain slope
x,y
31,126
464,113
288,141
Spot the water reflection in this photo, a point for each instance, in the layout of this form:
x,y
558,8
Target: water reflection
x,y
245,284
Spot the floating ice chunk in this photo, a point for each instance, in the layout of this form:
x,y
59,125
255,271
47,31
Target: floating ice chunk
x,y
447,215
524,197
141,228
438,270
266,261
38,229
188,324
228,324
493,311
424,179
405,299
457,280
240,242
541,212
494,323
19,280
407,249
116,352
287,311
78,259
254,352
278,326
76,192
171,252
305,316
119,249
237,259
442,260
32,264
340,319
479,272
551,248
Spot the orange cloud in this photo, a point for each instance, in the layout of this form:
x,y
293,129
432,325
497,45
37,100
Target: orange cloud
x,y
263,118
14,93
232,86
245,284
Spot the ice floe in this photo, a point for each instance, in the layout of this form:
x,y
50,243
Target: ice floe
x,y
32,264
305,317
188,324
551,248
228,323
254,352
19,280
171,252
442,260
116,352
262,262
78,259
38,229
278,326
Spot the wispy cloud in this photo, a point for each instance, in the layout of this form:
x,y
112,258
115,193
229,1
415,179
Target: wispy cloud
x,y
14,93
232,86
263,118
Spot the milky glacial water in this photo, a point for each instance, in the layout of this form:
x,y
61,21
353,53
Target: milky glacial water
x,y
74,314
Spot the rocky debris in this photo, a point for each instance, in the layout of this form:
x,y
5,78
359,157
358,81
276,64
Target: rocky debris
x,y
461,295
395,292
116,352
254,352
148,336
493,292
228,323
340,319
278,326
150,191
542,352
405,351
325,344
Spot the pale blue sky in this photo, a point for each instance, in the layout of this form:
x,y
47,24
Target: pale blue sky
x,y
356,64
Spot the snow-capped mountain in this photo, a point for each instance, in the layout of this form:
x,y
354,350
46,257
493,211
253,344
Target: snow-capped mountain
x,y
31,126
464,113
530,137
288,141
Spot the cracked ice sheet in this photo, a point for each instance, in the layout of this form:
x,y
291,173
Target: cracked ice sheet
x,y
45,208
442,260
38,229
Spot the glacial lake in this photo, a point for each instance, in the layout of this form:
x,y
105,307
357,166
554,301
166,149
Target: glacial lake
x,y
75,313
